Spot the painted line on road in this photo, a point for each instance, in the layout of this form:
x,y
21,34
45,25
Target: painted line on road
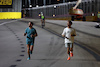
x,y
77,30
7,22
21,42
97,57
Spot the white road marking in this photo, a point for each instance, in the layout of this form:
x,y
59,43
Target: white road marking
x,y
7,22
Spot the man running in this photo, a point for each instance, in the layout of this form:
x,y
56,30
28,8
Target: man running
x,y
31,34
42,20
69,34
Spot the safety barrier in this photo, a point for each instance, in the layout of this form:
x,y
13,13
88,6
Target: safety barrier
x,y
10,15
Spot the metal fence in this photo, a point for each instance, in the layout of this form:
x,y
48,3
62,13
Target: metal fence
x,y
62,10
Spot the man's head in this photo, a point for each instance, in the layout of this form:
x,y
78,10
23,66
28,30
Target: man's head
x,y
30,24
69,23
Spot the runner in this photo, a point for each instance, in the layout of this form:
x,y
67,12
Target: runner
x,y
31,34
42,20
69,34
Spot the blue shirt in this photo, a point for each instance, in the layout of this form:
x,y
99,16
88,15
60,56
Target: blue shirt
x,y
29,32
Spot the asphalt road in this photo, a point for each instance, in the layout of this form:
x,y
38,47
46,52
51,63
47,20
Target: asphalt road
x,y
49,50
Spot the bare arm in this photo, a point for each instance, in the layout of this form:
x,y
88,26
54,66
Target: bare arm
x,y
63,35
24,34
35,35
73,35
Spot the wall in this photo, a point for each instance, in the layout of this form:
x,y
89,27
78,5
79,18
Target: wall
x,y
12,13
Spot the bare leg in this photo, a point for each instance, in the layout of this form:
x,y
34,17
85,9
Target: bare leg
x,y
71,51
68,51
41,22
44,22
31,48
28,50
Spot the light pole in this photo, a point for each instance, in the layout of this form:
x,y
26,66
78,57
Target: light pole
x,y
63,1
44,2
26,3
29,2
49,2
36,2
54,11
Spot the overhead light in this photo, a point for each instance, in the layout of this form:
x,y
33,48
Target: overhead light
x,y
92,14
54,15
39,15
55,6
30,6
37,6
68,2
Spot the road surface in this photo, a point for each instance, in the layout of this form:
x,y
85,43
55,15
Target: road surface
x,y
49,50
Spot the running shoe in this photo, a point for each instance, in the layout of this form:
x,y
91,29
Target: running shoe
x,y
71,54
68,58
28,58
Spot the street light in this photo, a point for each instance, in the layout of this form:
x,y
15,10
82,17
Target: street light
x,y
54,11
30,6
54,15
37,6
92,14
55,7
69,2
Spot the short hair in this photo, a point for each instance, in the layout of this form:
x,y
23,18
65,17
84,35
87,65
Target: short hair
x,y
31,23
70,22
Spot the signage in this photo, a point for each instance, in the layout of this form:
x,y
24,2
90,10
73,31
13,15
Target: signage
x,y
5,3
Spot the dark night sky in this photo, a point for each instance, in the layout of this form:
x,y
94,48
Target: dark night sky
x,y
40,2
